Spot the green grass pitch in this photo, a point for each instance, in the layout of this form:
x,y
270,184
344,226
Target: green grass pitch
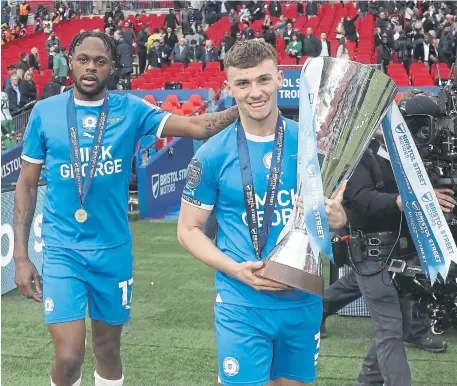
x,y
170,340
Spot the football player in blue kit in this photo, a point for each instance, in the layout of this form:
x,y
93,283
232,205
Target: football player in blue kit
x,y
86,139
266,333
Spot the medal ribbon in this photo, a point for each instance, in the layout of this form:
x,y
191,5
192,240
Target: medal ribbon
x,y
75,156
258,239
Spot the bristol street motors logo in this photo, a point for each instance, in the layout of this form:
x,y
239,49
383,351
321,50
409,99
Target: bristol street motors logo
x,y
155,185
427,197
312,171
165,183
311,98
416,205
231,366
400,129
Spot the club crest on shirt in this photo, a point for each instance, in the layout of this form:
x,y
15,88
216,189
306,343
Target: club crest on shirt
x,y
267,160
89,122
194,174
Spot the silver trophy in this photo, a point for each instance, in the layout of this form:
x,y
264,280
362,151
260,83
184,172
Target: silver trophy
x,y
348,101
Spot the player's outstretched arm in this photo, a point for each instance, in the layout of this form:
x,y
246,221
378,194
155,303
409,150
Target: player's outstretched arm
x,y
191,237
24,209
200,126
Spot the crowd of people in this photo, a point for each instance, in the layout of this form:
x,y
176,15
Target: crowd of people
x,y
405,31
422,34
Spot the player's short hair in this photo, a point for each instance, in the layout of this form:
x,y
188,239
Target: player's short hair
x,y
248,54
107,41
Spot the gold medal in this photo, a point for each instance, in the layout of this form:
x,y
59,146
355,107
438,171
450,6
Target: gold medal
x,y
81,215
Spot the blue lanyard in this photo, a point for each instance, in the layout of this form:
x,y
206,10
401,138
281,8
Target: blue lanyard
x,y
75,156
258,239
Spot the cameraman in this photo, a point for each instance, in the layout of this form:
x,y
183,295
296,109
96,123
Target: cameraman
x,y
380,232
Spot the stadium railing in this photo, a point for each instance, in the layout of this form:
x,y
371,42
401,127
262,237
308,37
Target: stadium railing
x,y
21,118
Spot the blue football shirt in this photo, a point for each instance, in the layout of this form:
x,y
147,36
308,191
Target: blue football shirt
x,y
46,141
214,180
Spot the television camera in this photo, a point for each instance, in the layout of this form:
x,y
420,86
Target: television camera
x,y
432,121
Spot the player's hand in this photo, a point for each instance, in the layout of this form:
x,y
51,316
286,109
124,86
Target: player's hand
x,y
445,199
399,203
26,274
245,273
336,215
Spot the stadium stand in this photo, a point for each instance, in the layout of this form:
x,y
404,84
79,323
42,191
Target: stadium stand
x,y
354,30
326,20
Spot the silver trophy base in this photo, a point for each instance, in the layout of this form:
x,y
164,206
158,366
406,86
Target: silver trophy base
x,y
292,277
292,263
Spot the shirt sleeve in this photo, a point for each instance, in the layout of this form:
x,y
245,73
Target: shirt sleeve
x,y
150,118
34,148
201,184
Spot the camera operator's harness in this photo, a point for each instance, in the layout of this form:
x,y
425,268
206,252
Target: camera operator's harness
x,y
358,246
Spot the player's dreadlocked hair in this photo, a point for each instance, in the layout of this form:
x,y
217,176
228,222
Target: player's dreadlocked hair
x,y
109,44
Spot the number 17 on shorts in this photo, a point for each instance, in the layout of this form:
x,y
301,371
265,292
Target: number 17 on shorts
x,y
127,292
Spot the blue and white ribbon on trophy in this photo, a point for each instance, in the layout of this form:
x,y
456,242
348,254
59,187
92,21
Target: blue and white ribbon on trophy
x,y
307,162
428,227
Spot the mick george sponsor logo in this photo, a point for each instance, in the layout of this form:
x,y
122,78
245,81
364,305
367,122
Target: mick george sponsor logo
x,y
166,183
283,208
107,163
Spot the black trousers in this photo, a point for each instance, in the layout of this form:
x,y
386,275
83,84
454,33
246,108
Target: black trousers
x,y
346,290
141,60
386,362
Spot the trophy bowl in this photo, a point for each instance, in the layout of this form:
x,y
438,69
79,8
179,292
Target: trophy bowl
x,y
348,102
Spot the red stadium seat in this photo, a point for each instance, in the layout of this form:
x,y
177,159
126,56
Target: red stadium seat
x,y
173,99
198,66
213,65
211,85
196,100
190,85
211,70
188,108
289,61
192,71
149,86
150,99
167,106
137,83
149,77
156,72
177,66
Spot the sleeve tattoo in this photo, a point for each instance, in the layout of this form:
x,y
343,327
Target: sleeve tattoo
x,y
216,122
